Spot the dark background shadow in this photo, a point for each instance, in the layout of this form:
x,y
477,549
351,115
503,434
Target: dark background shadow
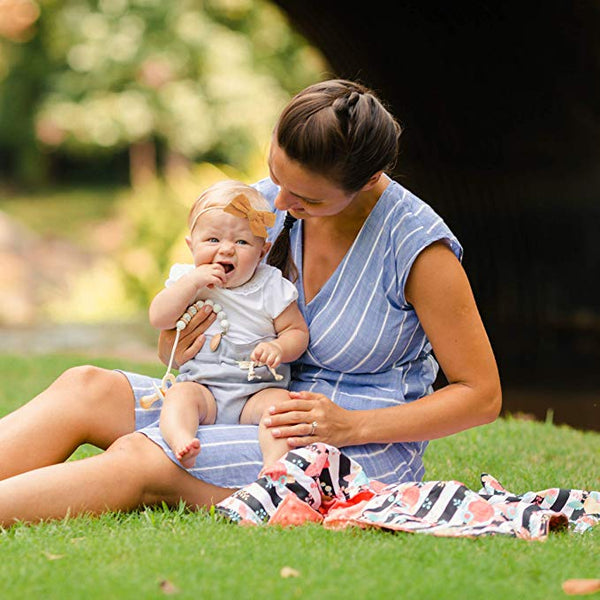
x,y
500,103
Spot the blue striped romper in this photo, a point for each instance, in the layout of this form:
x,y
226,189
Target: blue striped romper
x,y
367,348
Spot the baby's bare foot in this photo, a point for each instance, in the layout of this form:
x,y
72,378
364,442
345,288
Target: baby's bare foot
x,y
186,454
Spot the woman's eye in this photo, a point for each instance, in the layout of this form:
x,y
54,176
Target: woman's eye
x,y
310,202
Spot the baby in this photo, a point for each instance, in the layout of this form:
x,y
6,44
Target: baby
x,y
258,327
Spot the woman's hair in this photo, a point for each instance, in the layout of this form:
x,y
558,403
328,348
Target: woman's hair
x,y
220,194
340,130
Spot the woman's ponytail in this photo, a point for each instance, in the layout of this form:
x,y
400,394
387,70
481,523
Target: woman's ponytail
x,y
280,255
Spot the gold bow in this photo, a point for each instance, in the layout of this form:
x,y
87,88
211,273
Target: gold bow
x,y
259,219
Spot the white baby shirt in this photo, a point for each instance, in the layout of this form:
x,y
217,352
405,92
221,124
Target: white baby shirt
x,y
251,307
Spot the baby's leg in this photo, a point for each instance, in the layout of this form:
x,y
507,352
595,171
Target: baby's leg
x,y
186,405
253,413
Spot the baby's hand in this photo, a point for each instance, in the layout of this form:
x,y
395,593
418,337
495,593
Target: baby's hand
x,y
209,275
267,353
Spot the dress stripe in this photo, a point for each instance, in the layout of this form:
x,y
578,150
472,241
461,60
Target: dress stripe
x,y
367,348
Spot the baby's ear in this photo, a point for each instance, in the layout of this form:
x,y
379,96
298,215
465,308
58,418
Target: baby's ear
x,y
188,241
265,249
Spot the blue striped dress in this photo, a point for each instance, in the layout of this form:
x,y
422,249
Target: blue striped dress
x,y
367,348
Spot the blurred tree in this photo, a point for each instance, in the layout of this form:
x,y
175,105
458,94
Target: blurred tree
x,y
22,68
171,82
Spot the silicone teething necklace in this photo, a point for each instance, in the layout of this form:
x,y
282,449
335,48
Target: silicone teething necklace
x,y
169,379
258,221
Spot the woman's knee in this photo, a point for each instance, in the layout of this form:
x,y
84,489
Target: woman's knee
x,y
98,401
150,472
133,444
87,382
82,376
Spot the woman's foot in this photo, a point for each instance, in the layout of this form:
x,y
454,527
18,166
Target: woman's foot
x,y
186,453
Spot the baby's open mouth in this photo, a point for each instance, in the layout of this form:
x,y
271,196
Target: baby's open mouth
x,y
227,266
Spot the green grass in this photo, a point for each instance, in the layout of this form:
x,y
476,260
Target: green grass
x,y
128,556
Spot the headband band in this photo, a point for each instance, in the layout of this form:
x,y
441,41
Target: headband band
x,y
240,207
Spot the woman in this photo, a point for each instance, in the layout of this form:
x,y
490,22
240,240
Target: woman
x,y
381,286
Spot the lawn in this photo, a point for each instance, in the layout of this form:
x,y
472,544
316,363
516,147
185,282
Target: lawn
x,y
157,552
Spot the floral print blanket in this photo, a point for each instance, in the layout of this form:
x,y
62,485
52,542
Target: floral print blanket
x,y
318,483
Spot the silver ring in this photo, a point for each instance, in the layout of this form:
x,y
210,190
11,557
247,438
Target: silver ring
x,y
313,428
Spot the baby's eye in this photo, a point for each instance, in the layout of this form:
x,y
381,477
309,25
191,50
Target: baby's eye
x,y
213,240
242,242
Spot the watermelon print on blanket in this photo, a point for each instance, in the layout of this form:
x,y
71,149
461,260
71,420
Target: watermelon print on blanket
x,y
318,483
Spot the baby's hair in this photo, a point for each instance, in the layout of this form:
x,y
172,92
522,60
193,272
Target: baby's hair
x,y
220,194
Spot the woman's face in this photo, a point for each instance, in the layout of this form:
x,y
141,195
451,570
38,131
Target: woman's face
x,y
304,193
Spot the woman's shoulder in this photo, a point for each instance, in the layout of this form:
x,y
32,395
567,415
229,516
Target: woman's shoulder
x,y
412,217
404,202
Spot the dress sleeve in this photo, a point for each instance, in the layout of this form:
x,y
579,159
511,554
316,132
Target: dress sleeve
x,y
177,271
279,293
423,228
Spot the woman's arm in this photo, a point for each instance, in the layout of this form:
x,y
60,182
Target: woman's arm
x,y
440,293
191,339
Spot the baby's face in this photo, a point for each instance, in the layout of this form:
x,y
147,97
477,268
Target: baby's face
x,y
219,237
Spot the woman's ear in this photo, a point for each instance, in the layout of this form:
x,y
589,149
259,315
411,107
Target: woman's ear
x,y
265,250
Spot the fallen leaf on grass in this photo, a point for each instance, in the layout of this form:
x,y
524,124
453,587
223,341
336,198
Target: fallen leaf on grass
x,y
51,556
167,587
289,572
581,587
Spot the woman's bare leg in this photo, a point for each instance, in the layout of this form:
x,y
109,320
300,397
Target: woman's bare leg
x,y
187,404
85,404
132,473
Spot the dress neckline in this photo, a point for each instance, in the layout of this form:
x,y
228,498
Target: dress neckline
x,y
330,283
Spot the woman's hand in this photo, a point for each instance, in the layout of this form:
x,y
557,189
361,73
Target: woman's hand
x,y
191,339
294,419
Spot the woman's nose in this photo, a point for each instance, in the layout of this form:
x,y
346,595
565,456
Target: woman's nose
x,y
285,201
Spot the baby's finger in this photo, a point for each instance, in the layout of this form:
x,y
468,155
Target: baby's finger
x,y
256,355
273,361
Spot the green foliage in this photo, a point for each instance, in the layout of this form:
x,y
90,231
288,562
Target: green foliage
x,y
153,223
67,212
130,235
201,80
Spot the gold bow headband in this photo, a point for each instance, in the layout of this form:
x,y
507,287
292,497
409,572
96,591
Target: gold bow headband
x,y
240,207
